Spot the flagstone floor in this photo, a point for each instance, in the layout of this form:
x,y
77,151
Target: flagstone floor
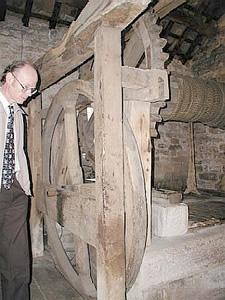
x,y
205,210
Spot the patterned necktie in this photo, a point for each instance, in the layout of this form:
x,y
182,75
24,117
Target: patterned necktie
x,y
8,169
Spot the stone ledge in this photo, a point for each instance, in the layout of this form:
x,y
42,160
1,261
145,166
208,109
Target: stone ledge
x,y
177,258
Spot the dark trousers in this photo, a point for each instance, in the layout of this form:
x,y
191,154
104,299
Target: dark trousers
x,y
14,249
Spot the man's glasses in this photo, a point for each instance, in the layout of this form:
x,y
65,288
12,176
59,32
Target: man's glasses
x,y
25,89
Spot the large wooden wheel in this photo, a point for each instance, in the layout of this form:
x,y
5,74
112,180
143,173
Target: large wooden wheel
x,y
63,171
68,147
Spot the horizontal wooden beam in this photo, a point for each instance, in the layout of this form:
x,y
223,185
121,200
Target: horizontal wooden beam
x,y
75,210
76,46
163,7
144,85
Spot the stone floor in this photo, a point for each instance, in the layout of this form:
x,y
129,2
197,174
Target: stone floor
x,y
48,284
205,209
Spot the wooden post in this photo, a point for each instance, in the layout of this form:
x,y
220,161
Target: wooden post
x,y
191,177
34,148
3,7
109,165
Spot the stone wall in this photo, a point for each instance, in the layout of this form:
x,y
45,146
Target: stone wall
x,y
19,42
171,149
210,142
210,157
29,43
171,156
210,61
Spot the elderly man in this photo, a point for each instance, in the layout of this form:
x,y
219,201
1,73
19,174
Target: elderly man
x,y
19,81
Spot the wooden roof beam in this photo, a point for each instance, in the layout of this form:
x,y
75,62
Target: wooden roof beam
x,y
198,40
194,22
176,48
2,10
55,15
76,46
167,30
162,8
27,14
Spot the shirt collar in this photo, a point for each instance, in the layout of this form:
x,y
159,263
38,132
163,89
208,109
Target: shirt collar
x,y
6,103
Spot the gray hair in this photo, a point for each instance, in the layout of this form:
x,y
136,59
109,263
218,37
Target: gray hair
x,y
14,66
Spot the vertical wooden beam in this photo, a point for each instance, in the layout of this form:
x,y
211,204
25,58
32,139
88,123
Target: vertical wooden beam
x,y
109,165
27,14
75,175
55,15
191,178
2,10
34,148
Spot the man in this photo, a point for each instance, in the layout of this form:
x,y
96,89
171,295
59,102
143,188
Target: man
x,y
19,81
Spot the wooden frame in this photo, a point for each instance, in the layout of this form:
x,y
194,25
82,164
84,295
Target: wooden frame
x,y
106,19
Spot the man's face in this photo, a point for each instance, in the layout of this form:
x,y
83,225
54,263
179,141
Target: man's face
x,y
21,83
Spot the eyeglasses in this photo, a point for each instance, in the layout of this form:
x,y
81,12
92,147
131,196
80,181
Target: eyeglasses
x,y
25,89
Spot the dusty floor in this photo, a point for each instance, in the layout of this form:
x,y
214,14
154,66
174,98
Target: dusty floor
x,y
205,210
48,283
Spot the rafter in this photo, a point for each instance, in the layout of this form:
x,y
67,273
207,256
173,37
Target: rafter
x,y
55,15
194,22
77,45
162,8
27,14
2,10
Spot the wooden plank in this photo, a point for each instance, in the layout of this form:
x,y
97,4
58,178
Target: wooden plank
x,y
145,85
134,49
76,210
138,115
76,46
191,178
70,125
109,165
34,148
135,203
163,7
27,14
134,78
58,158
3,7
55,15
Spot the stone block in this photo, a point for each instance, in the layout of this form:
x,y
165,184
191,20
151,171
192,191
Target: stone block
x,y
166,196
169,219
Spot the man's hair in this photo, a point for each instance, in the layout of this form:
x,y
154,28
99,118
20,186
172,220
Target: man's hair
x,y
14,66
